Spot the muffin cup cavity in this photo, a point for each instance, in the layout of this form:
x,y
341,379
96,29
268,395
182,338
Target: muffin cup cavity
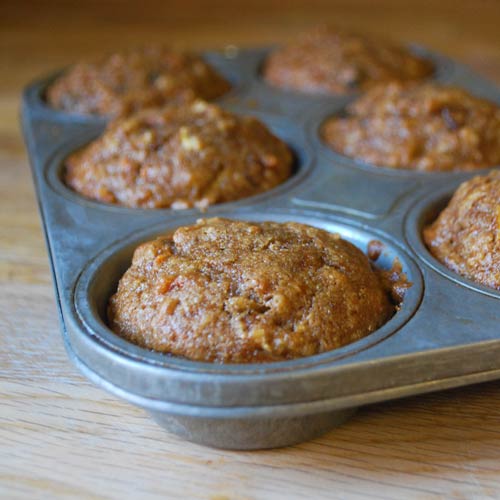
x,y
336,157
423,213
35,94
99,281
281,127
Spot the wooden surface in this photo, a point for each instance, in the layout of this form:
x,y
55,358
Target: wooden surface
x,y
60,437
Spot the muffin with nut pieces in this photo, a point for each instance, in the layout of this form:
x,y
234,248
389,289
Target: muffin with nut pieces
x,y
191,154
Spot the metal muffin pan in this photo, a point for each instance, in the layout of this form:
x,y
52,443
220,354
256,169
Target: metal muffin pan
x,y
446,334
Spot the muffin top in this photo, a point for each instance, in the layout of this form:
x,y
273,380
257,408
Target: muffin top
x,y
236,292
427,127
128,81
466,235
191,154
332,61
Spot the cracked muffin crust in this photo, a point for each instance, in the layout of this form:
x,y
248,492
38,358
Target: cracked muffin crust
x,y
191,154
466,235
428,127
235,292
332,61
128,81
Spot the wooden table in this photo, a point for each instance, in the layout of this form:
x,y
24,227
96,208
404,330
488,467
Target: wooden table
x,y
61,437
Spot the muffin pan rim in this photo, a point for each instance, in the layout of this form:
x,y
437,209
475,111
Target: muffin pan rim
x,y
235,411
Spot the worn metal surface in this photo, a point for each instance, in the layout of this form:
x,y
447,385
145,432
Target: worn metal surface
x,y
446,334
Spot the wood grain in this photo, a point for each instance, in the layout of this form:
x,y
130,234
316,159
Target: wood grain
x,y
60,437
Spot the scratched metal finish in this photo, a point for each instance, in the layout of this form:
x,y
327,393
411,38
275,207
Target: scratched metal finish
x,y
446,334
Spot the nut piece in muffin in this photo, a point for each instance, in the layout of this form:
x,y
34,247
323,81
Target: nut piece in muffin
x,y
466,235
426,127
332,61
235,292
192,154
127,81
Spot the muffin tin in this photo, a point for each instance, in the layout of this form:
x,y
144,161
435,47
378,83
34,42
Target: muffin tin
x,y
446,334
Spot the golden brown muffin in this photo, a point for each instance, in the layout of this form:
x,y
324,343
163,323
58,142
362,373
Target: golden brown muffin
x,y
466,235
128,81
237,292
331,61
191,154
428,127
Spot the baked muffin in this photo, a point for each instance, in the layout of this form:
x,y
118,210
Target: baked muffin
x,y
466,235
188,155
236,292
331,61
129,81
428,127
